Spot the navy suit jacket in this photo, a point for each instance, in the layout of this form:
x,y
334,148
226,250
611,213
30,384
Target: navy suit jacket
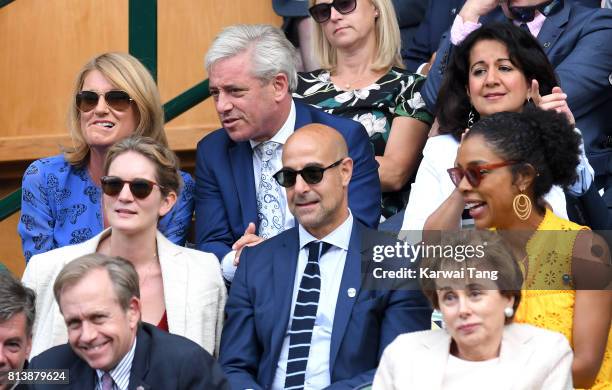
x,y
259,305
438,19
161,361
577,42
225,195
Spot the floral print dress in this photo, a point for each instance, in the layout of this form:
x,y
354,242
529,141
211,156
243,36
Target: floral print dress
x,y
397,93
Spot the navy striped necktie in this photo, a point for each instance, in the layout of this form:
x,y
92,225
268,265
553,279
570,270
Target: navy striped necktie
x,y
304,315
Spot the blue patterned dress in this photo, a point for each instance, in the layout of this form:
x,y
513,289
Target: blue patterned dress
x,y
62,206
397,93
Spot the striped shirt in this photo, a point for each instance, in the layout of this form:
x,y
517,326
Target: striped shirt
x,y
121,372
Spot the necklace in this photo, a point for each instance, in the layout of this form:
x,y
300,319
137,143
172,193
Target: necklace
x,y
347,85
149,268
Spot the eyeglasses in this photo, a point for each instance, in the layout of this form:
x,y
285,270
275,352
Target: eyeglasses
x,y
312,175
322,12
474,173
140,188
117,100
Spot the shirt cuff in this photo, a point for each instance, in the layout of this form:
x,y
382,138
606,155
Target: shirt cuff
x,y
227,266
420,69
461,29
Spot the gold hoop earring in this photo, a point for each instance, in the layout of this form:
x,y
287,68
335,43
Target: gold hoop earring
x,y
522,206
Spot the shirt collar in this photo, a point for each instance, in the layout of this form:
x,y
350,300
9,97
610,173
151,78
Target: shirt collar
x,y
339,237
285,131
121,372
535,25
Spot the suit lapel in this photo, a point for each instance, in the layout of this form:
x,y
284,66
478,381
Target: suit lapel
x,y
284,267
552,28
140,363
302,115
82,376
174,275
514,353
241,160
435,356
351,279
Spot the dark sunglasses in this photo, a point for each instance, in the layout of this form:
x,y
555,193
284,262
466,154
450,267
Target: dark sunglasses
x,y
322,12
140,188
312,175
474,173
117,100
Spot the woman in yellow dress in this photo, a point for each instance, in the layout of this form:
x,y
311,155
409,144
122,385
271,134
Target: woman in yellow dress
x,y
504,165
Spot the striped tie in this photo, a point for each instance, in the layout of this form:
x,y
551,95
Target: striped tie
x,y
304,315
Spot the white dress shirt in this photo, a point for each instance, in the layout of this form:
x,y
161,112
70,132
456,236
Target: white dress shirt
x,y
331,265
227,264
121,372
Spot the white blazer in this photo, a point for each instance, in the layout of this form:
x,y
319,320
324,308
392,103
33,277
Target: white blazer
x,y
532,358
194,292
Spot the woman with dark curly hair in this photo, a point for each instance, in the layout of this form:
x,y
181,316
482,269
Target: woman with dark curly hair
x,y
498,67
504,166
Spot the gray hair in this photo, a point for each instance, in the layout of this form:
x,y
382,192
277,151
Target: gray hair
x,y
15,298
122,274
271,52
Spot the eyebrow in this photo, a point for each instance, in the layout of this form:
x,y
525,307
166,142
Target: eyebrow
x,y
496,61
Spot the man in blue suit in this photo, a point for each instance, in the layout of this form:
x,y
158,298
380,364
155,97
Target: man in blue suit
x,y
576,40
300,314
108,346
251,71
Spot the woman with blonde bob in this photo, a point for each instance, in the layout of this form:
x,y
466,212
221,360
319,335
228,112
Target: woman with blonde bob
x,y
181,289
480,347
362,77
114,97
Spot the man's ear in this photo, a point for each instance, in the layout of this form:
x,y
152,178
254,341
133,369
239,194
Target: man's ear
x,y
280,83
346,170
134,312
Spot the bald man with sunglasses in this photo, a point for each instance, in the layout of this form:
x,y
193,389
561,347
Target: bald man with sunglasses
x,y
300,314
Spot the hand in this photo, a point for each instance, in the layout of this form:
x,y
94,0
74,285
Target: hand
x,y
557,100
472,10
249,238
428,65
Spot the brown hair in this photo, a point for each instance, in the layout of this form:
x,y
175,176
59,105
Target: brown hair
x,y
122,274
496,257
166,163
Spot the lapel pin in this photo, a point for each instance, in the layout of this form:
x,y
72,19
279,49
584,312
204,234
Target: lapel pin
x,y
351,292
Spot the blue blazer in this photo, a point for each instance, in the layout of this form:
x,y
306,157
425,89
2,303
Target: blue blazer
x,y
438,18
161,361
577,42
259,305
225,197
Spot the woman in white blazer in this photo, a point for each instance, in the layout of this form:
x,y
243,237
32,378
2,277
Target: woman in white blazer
x,y
181,289
479,348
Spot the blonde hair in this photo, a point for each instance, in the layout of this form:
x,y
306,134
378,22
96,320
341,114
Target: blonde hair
x,y
128,74
388,40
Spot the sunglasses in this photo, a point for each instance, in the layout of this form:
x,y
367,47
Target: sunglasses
x,y
474,173
312,175
322,12
140,188
117,100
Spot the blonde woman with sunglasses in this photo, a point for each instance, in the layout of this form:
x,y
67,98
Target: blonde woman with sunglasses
x,y
182,290
114,96
363,78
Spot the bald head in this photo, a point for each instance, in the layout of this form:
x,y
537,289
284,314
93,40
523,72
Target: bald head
x,y
318,197
321,137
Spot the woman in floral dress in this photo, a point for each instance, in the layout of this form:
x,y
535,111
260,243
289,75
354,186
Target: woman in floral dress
x,y
358,43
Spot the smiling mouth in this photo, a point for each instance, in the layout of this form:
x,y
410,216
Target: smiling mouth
x,y
495,96
105,124
94,348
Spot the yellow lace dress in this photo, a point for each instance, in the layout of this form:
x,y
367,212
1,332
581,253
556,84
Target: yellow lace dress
x,y
549,264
